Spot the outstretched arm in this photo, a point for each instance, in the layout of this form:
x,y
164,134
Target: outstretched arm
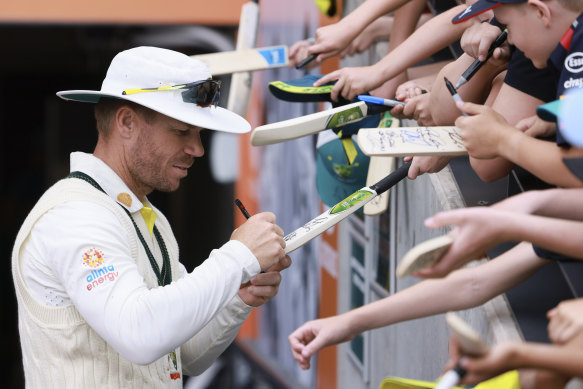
x,y
333,39
462,289
487,135
504,103
562,361
559,203
431,37
406,20
566,321
479,229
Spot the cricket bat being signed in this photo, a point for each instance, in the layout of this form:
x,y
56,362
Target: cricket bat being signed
x,y
340,211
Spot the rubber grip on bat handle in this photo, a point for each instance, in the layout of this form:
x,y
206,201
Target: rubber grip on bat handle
x,y
451,378
375,109
392,179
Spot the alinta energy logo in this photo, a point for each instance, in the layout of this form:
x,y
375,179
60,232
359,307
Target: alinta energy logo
x,y
101,273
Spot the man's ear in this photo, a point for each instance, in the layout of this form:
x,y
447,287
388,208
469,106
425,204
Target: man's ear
x,y
542,10
125,122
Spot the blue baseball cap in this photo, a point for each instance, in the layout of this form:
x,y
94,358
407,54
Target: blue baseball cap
x,y
479,7
341,167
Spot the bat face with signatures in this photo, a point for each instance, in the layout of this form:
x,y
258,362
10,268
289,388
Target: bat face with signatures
x,y
340,211
411,141
328,219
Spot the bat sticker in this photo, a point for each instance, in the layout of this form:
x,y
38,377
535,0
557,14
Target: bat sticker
x,y
274,56
350,201
340,118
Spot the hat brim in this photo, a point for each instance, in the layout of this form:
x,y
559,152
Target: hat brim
x,y
570,117
170,103
475,9
302,90
549,111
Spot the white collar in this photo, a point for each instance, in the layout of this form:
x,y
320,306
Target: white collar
x,y
111,183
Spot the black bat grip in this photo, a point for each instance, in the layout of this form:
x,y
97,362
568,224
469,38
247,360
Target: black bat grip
x,y
460,371
392,179
375,109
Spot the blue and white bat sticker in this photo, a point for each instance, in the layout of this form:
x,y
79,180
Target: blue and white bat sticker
x,y
274,55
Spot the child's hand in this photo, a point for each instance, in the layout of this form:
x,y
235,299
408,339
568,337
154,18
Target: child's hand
x,y
484,131
536,127
298,52
332,39
478,38
350,82
566,321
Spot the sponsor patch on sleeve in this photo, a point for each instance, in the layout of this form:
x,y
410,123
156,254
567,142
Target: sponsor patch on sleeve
x,y
99,271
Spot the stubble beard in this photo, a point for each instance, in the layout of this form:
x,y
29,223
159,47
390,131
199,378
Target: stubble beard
x,y
147,168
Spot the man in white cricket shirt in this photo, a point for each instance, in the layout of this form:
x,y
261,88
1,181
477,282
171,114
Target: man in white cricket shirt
x,y
103,301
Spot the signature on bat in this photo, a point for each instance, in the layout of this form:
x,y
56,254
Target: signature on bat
x,y
387,139
306,227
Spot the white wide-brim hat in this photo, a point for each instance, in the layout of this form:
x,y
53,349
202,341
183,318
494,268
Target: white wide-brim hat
x,y
153,67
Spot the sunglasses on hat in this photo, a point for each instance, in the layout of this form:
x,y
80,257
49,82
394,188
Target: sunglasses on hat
x,y
202,93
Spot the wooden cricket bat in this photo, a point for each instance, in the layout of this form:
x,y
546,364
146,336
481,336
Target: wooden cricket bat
x,y
469,340
313,123
378,168
227,62
240,86
225,170
470,344
340,211
423,255
411,141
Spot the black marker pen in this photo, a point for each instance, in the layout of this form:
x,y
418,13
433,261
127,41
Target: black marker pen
x,y
245,213
306,61
242,208
477,64
455,95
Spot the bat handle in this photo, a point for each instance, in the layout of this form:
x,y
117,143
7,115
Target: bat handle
x,y
392,179
451,378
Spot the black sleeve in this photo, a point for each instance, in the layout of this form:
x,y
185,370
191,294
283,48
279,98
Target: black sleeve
x,y
522,75
551,255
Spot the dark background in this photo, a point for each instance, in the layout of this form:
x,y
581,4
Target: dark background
x,y
38,131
